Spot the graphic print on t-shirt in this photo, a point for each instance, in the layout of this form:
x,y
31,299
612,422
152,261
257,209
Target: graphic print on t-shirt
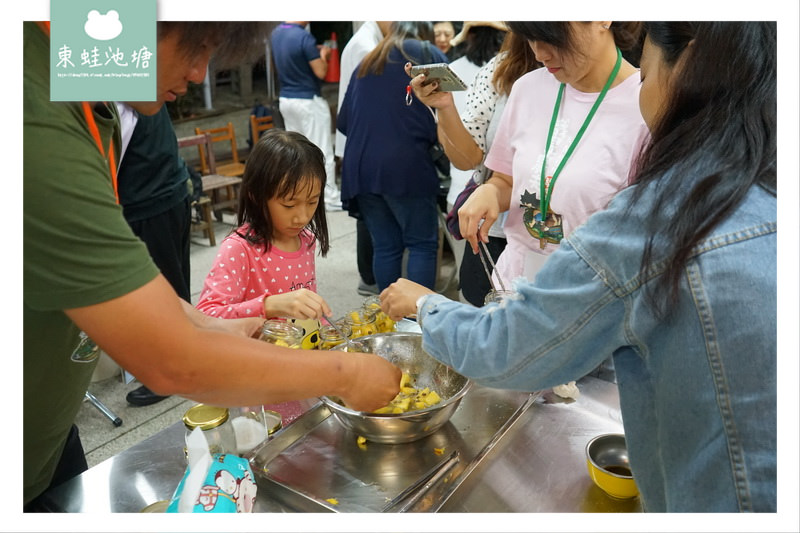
x,y
550,227
551,230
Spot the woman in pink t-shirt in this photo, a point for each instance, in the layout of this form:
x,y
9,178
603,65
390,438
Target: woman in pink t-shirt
x,y
266,266
580,114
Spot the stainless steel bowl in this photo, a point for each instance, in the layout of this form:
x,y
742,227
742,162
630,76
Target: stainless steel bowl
x,y
404,349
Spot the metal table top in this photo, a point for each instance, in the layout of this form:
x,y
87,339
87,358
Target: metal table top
x,y
538,465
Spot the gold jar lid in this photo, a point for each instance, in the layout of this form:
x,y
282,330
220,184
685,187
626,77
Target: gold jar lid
x,y
205,417
156,507
273,421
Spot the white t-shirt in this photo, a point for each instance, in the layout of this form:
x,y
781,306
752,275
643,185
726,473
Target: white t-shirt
x,y
363,41
128,118
483,108
598,168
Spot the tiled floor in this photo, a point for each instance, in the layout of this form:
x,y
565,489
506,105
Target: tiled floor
x,y
337,281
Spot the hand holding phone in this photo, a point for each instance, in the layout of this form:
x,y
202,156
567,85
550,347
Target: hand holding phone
x,y
440,72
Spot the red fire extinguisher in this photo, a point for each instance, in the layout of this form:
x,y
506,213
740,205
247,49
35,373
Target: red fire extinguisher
x,y
333,60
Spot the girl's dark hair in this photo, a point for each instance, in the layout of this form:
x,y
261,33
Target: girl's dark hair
x,y
483,43
518,60
375,61
280,164
714,139
559,34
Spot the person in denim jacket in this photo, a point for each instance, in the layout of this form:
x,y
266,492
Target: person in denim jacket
x,y
677,279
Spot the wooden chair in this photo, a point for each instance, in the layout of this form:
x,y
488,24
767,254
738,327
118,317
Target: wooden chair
x,y
203,204
224,192
229,166
258,125
206,224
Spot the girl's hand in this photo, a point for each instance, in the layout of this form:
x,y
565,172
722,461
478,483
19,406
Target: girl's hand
x,y
301,303
428,94
399,299
243,327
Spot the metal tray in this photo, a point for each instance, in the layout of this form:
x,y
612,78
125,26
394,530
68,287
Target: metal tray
x,y
316,465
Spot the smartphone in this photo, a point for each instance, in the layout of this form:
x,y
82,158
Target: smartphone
x,y
448,80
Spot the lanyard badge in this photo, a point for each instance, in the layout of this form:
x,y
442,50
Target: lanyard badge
x,y
541,222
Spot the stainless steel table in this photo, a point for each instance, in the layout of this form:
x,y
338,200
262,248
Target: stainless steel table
x,y
537,465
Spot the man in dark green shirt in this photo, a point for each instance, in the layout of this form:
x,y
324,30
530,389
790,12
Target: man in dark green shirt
x,y
85,270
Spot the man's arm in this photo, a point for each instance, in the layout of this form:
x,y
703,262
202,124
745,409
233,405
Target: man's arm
x,y
320,65
148,332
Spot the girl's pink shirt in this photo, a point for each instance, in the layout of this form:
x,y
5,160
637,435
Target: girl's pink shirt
x,y
243,274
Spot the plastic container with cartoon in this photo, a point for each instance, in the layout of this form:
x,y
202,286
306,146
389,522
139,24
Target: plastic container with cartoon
x,y
218,483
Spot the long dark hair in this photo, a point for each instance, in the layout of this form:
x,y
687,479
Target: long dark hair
x,y
399,31
715,138
483,43
518,59
281,163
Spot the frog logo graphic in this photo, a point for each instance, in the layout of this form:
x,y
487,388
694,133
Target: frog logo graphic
x,y
102,27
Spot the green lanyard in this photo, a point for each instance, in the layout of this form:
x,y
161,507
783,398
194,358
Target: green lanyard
x,y
546,192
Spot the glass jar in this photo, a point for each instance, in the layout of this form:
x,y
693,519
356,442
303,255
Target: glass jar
x,y
361,324
214,421
372,306
253,425
496,296
330,337
281,333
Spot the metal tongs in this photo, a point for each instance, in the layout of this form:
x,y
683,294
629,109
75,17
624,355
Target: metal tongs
x,y
428,479
486,268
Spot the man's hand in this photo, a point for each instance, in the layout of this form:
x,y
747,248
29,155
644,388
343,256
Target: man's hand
x,y
374,382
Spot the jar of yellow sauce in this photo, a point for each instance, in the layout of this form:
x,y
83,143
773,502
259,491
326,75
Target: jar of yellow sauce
x,y
361,324
330,337
372,307
281,333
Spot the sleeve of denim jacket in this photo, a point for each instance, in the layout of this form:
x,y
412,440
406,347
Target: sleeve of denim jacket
x,y
553,331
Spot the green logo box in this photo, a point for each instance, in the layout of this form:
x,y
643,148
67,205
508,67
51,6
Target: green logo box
x,y
103,50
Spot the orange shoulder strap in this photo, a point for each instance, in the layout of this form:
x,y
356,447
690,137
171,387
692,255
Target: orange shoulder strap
x,y
90,121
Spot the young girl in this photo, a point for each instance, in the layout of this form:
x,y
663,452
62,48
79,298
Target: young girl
x,y
266,266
